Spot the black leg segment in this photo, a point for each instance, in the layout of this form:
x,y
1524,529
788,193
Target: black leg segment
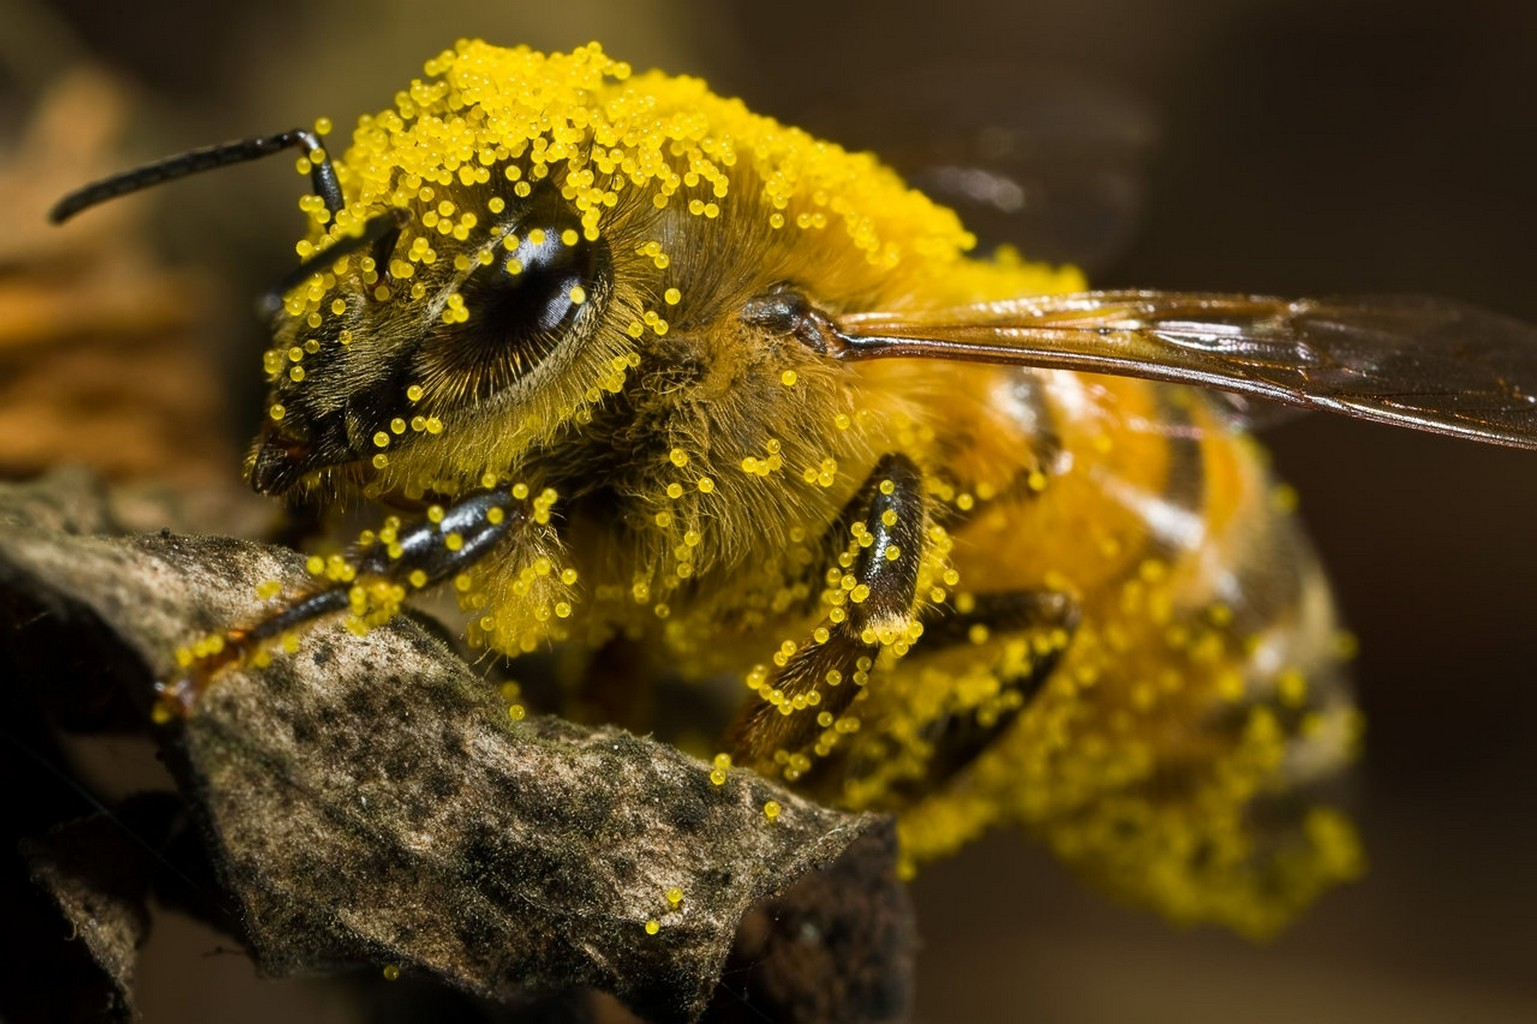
x,y
410,557
824,673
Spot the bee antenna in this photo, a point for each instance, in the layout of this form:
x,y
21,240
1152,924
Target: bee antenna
x,y
322,173
379,231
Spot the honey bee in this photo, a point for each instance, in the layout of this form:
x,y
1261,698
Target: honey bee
x,y
673,386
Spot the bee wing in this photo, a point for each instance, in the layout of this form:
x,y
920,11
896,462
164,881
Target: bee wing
x,y
1428,364
1044,158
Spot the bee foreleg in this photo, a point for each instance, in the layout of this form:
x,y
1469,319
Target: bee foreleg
x,y
873,605
371,584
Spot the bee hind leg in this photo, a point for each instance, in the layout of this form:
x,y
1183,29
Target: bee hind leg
x,y
1026,633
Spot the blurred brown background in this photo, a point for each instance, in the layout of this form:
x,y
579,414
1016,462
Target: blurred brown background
x,y
1305,147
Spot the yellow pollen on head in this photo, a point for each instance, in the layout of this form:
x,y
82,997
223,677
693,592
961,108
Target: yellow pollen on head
x,y
584,120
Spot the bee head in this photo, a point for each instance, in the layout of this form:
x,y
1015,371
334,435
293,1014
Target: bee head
x,y
411,334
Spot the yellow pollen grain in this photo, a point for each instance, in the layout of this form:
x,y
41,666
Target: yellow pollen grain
x,y
1292,688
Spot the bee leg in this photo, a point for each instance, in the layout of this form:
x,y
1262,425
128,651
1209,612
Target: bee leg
x,y
823,674
1043,623
421,555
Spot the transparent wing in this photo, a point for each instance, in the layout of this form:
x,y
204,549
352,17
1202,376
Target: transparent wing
x,y
1043,158
1428,364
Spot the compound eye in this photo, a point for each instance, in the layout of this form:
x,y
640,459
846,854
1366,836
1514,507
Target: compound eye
x,y
537,287
543,282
